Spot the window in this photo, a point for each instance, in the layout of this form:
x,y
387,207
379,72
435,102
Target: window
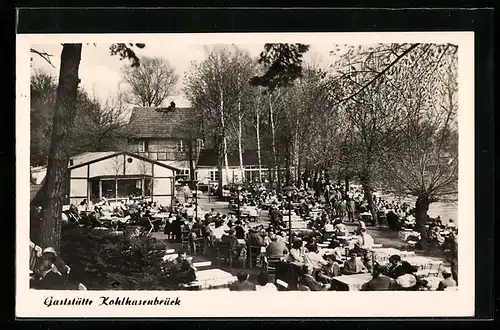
x,y
184,174
181,146
143,146
214,175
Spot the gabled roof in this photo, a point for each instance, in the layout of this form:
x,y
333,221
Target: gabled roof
x,y
90,156
111,154
208,157
179,123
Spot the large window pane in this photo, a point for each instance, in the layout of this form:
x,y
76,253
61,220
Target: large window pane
x,y
108,188
129,187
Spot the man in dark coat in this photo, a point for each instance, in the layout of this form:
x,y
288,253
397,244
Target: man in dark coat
x,y
379,282
242,284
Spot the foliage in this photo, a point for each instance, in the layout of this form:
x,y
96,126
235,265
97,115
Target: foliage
x,y
126,51
283,63
151,83
99,126
101,260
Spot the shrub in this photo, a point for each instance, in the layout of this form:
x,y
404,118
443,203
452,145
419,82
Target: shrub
x,y
103,260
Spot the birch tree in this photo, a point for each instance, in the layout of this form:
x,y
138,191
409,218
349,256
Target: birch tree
x,y
210,87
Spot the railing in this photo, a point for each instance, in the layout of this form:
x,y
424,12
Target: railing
x,y
164,155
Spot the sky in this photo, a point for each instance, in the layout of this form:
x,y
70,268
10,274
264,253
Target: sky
x,y
100,72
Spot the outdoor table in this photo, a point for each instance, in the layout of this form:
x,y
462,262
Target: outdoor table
x,y
160,216
352,282
299,225
403,235
211,279
385,253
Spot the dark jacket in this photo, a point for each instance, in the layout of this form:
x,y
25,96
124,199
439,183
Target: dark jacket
x,y
255,239
242,286
51,281
379,283
402,269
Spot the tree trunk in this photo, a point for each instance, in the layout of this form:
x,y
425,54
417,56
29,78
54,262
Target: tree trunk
x,y
257,126
191,156
224,140
288,160
347,183
273,143
367,187
64,114
219,166
421,208
240,149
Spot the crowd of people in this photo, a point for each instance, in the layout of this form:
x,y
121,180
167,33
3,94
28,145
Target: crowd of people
x,y
302,263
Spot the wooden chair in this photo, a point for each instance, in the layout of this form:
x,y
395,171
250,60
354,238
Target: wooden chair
x,y
197,243
224,253
253,252
184,237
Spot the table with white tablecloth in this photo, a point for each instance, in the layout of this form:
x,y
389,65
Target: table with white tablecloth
x,y
211,279
351,282
382,254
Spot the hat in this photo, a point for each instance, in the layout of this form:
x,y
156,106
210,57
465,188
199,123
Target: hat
x,y
406,281
49,250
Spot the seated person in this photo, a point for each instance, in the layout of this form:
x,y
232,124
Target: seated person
x,y
47,276
263,281
183,269
296,254
447,281
306,279
354,265
239,230
328,227
379,282
329,271
242,284
254,238
229,239
397,267
340,229
313,259
277,247
338,251
364,240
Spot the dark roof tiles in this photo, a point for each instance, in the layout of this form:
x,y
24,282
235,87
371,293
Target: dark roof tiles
x,y
179,123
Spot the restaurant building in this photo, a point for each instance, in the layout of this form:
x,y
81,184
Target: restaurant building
x,y
120,175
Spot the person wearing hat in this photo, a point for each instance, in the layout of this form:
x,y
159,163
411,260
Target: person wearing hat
x,y
447,281
48,277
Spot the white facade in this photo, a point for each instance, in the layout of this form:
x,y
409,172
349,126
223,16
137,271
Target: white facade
x,y
119,175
